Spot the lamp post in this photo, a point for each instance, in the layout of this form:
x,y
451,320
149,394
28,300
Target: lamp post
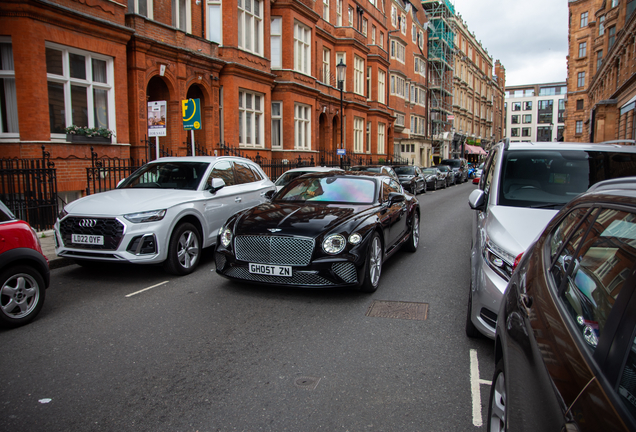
x,y
340,69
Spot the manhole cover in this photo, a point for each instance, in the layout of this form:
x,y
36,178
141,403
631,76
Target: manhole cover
x,y
307,382
398,310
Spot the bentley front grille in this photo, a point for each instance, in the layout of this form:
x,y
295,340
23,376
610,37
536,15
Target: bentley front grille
x,y
298,278
111,229
276,250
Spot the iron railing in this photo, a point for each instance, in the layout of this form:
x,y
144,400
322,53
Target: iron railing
x,y
29,188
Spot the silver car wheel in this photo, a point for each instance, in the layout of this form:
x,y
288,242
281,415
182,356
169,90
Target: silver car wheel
x,y
416,230
188,249
375,261
497,419
20,294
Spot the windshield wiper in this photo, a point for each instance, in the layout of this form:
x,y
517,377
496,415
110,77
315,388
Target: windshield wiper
x,y
549,205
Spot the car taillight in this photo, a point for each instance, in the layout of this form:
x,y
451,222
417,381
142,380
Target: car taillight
x,y
517,260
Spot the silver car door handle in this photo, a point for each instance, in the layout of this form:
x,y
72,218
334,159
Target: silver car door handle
x,y
237,199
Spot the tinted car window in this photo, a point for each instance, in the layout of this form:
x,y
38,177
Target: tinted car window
x,y
257,174
388,186
167,175
489,173
627,386
597,272
535,178
223,170
405,170
243,173
454,163
565,229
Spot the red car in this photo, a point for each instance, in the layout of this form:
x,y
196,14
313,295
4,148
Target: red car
x,y
24,271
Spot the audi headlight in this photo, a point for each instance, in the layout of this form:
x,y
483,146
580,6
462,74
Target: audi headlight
x,y
226,236
334,244
150,216
62,214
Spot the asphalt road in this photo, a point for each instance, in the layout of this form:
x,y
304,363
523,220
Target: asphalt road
x,y
200,353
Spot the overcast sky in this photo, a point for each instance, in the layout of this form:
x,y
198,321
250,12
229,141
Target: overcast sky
x,y
530,38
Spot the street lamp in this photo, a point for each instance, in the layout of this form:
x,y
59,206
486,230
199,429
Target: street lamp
x,y
340,69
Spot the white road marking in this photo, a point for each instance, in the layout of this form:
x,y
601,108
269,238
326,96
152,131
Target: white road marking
x,y
146,289
475,381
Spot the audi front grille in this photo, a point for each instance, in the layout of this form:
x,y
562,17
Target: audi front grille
x,y
111,229
277,250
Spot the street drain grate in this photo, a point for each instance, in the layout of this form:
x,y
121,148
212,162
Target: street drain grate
x,y
398,310
307,382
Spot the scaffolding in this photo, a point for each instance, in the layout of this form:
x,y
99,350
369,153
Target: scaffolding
x,y
441,51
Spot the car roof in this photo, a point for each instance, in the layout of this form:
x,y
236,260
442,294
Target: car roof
x,y
624,184
569,146
314,169
363,174
208,159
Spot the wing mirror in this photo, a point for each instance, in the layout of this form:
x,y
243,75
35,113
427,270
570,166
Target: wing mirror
x,y
216,185
395,197
477,200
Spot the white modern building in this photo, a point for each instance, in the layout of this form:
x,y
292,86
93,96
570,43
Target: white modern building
x,y
535,112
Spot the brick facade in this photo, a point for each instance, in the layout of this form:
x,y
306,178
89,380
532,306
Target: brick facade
x,y
149,58
600,104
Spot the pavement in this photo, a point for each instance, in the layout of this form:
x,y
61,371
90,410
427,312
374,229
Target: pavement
x,y
47,240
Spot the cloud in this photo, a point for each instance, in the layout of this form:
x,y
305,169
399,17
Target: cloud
x,y
529,38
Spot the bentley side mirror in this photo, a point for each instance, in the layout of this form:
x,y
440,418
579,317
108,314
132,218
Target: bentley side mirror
x,y
216,185
477,200
395,197
270,194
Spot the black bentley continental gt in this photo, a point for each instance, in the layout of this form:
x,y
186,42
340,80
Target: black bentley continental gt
x,y
322,230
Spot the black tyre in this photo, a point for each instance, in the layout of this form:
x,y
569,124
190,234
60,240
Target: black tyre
x,y
497,406
435,185
373,269
471,330
184,250
414,239
22,294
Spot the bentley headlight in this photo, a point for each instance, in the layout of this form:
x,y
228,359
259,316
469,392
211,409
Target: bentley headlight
x,y
149,216
226,236
355,238
334,244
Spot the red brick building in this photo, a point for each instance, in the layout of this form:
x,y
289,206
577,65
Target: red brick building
x,y
601,71
264,72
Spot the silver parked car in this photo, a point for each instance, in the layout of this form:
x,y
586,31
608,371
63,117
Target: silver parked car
x,y
522,187
165,212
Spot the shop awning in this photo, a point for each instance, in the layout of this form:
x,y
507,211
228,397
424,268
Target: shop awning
x,y
469,149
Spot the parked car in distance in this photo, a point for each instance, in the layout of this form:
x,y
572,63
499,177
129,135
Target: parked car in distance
x,y
381,169
449,175
24,271
565,346
459,167
434,178
411,178
323,230
165,212
523,186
